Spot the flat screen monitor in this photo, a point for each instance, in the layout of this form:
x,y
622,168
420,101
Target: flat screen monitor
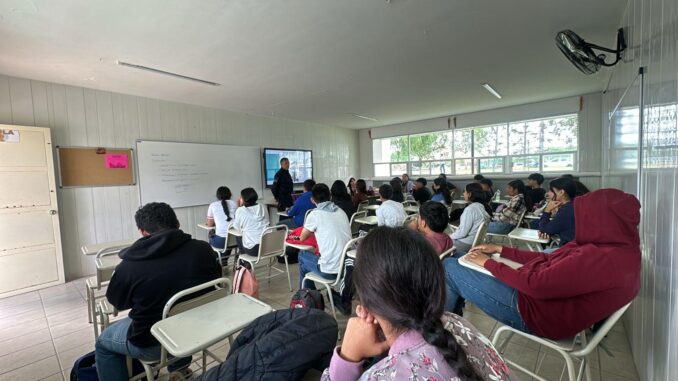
x,y
301,164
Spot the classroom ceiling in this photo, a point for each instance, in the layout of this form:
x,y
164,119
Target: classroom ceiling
x,y
313,60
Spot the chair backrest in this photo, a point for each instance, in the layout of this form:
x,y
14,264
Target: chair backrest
x,y
106,275
350,245
409,219
520,220
447,253
363,205
354,225
480,234
602,331
272,242
410,203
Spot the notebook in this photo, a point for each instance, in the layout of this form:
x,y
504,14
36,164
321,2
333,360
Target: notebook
x,y
467,263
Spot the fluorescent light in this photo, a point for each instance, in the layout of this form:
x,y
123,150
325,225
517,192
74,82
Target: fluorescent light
x,y
158,71
364,117
491,90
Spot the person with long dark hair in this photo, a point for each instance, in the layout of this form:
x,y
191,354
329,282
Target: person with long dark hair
x,y
251,219
351,186
360,192
475,213
220,214
401,314
564,192
509,216
442,192
341,198
397,186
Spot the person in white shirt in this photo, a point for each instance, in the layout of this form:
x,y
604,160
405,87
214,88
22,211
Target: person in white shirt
x,y
332,231
473,216
390,213
251,219
220,214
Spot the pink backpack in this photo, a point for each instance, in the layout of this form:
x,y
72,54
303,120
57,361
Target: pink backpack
x,y
245,282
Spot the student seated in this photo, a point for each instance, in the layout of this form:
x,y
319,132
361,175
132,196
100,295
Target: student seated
x,y
564,192
421,194
509,217
390,213
342,199
477,178
432,222
408,185
298,211
220,214
401,316
581,188
558,295
251,219
534,190
487,188
360,192
332,231
475,213
351,186
161,263
397,186
441,192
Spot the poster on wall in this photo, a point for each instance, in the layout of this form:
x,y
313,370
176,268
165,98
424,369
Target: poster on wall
x,y
9,136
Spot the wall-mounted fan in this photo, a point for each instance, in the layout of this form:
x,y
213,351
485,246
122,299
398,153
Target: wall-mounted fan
x,y
581,53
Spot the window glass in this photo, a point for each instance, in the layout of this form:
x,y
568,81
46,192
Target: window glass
x,y
525,137
398,169
560,134
463,143
559,162
431,146
491,165
438,167
390,149
463,166
419,168
489,141
525,164
382,170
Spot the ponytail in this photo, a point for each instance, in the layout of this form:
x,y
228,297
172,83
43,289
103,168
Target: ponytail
x,y
224,194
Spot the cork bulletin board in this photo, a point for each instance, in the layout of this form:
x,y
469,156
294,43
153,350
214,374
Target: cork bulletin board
x,y
95,166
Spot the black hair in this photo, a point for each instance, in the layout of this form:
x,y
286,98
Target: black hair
x,y
283,159
567,185
386,191
339,191
581,188
442,188
486,181
478,177
249,196
361,186
435,215
397,185
477,194
422,181
156,216
349,187
399,277
538,177
308,184
519,186
321,193
442,176
408,176
568,176
223,194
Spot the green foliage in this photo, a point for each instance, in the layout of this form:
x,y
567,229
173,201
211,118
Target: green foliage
x,y
421,147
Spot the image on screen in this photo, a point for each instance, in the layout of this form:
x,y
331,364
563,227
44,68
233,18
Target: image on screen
x,y
301,164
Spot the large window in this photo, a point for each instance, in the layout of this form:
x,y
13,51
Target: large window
x,y
526,146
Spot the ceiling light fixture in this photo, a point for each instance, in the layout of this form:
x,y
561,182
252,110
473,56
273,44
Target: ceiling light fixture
x,y
158,71
364,117
491,90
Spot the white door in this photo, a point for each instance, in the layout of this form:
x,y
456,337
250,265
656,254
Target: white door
x,y
30,240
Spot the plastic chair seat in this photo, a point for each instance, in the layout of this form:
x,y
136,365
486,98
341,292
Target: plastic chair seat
x,y
315,277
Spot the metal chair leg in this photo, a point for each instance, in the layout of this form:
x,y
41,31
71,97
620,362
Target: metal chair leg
x,y
287,268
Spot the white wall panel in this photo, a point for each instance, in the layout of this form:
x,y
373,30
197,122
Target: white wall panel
x,y
88,117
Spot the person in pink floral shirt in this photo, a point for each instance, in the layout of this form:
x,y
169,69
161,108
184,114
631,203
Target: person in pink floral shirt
x,y
400,285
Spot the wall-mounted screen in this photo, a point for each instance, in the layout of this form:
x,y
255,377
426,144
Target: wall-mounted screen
x,y
301,164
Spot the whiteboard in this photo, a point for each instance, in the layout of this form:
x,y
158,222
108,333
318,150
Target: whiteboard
x,y
188,174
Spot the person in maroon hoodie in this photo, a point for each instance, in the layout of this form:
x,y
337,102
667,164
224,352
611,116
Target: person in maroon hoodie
x,y
560,294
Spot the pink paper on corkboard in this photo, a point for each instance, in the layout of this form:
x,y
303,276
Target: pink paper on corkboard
x,y
116,161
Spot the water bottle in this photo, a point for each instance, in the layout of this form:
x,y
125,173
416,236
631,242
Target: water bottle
x,y
497,195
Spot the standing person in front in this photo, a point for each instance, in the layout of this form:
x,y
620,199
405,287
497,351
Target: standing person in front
x,y
161,263
534,189
474,214
389,213
342,199
251,219
220,214
432,222
332,231
397,186
301,206
408,185
558,295
283,186
421,194
564,192
360,192
509,217
400,285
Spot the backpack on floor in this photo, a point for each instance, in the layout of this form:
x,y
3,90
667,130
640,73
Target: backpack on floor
x,y
306,298
245,282
84,368
292,256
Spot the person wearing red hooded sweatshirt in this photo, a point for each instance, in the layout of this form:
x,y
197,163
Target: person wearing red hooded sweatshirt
x,y
558,295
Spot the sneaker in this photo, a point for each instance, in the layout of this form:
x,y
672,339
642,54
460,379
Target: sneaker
x,y
181,375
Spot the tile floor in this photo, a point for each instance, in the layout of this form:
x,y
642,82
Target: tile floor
x,y
43,332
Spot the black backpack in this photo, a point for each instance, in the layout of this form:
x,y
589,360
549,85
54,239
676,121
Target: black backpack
x,y
307,298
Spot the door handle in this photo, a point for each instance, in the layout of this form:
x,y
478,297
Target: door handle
x,y
52,212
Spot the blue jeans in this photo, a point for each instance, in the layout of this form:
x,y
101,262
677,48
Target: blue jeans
x,y
488,293
498,227
218,242
308,263
112,348
289,222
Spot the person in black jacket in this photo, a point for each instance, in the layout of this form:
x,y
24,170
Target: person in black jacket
x,y
421,194
160,264
342,199
283,186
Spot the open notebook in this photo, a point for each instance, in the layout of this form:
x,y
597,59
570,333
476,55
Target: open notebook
x,y
465,262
